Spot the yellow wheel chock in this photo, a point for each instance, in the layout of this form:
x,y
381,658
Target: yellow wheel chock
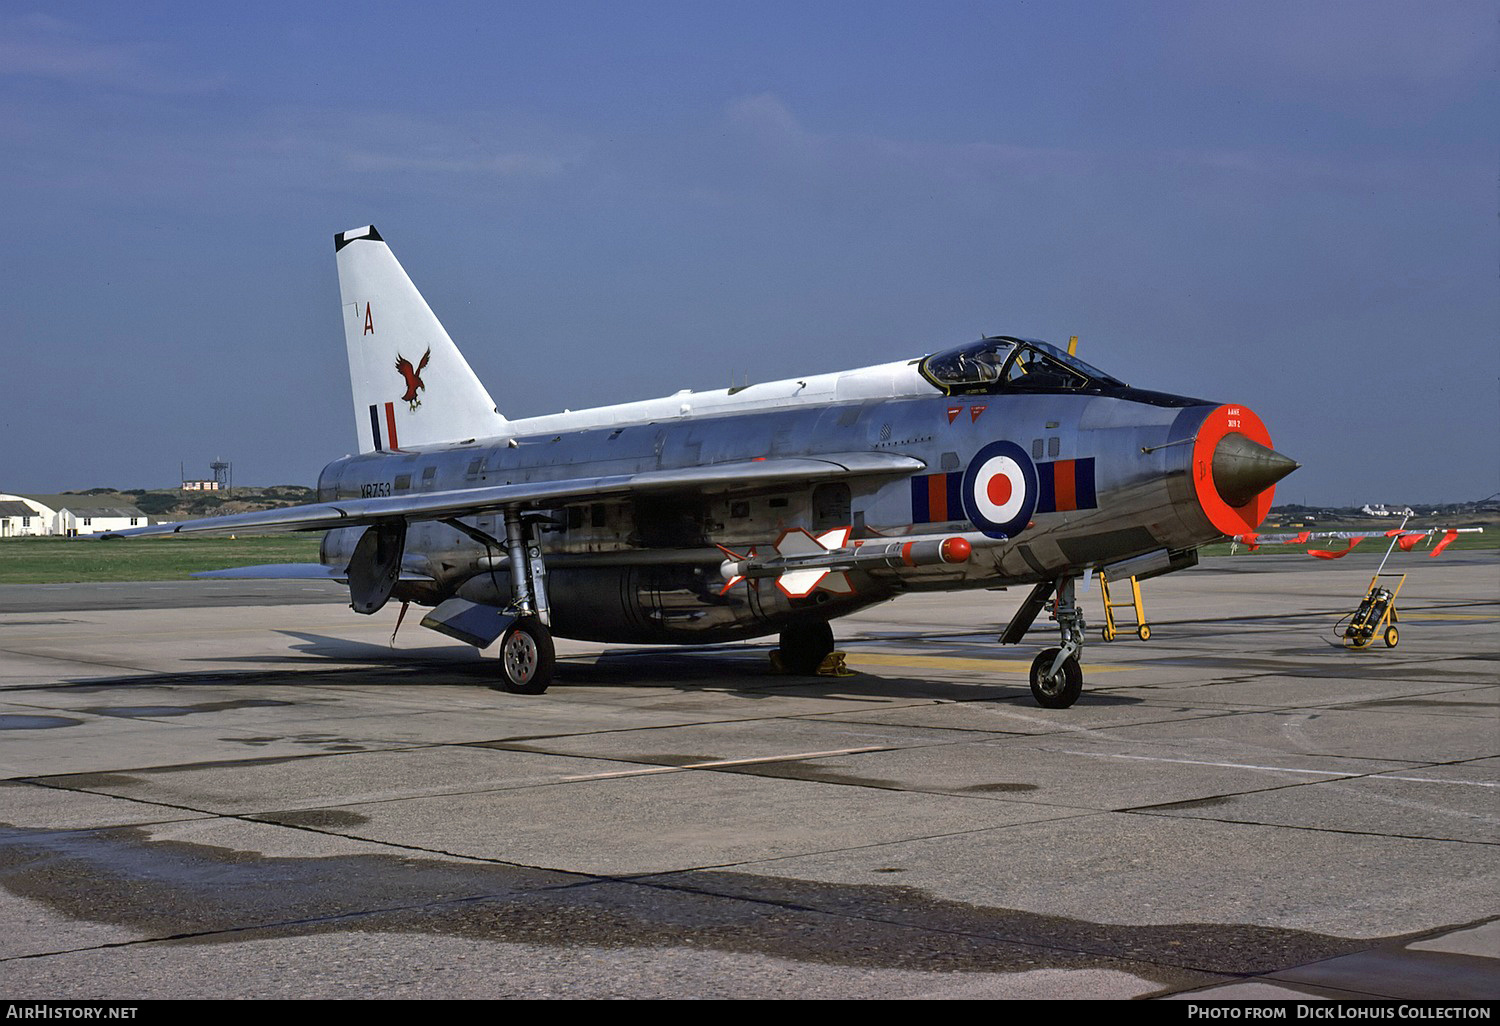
x,y
831,666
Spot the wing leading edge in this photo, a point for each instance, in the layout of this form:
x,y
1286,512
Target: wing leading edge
x,y
722,477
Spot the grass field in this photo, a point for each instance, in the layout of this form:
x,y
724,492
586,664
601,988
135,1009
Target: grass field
x,y
67,560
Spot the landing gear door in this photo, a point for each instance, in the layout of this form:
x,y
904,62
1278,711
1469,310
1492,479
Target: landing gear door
x,y
376,566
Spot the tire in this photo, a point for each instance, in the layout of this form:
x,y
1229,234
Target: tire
x,y
1143,632
804,646
1359,641
1108,634
1392,636
527,658
1058,694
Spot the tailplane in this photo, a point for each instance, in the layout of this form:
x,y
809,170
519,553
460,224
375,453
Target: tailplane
x,y
412,387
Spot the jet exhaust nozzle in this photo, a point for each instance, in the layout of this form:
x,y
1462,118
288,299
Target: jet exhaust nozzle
x,y
1243,468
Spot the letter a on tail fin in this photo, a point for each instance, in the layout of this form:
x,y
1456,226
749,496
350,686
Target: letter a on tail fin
x,y
412,387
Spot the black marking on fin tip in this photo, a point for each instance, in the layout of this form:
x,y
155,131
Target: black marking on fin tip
x,y
339,240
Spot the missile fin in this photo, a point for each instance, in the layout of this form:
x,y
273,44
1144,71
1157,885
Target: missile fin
x,y
797,542
838,583
800,583
835,539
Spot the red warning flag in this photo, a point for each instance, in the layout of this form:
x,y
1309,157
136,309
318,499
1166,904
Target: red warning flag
x,y
1409,541
1301,539
1448,539
1250,541
1340,554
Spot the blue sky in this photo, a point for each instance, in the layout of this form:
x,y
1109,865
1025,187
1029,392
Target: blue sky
x,y
1290,205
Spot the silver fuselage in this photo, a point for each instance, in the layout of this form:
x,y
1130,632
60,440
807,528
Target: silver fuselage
x,y
647,569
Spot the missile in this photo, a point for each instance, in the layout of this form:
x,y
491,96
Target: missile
x,y
805,562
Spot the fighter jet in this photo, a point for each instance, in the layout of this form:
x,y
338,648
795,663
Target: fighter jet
x,y
770,508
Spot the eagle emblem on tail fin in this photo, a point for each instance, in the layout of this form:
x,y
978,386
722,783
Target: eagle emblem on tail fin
x,y
414,382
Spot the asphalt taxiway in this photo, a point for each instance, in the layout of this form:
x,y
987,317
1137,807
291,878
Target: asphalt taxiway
x,y
225,789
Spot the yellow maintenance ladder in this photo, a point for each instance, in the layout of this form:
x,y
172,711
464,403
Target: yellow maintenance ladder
x,y
1111,628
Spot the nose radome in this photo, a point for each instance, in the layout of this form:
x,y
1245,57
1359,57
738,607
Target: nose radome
x,y
1243,468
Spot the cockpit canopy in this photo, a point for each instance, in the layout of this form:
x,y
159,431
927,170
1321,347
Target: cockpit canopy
x,y
1004,364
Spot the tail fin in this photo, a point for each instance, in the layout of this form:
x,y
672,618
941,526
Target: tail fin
x,y
411,385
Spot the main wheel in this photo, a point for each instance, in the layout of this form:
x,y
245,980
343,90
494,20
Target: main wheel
x,y
804,646
1392,636
1060,691
526,658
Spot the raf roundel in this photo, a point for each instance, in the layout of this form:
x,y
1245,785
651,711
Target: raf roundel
x,y
1000,490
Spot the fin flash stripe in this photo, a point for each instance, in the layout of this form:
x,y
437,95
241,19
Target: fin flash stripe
x,y
390,443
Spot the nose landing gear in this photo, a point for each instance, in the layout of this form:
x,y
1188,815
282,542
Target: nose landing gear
x,y
1056,676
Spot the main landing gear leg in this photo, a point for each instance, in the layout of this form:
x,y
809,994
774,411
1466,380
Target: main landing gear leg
x,y
1056,677
527,656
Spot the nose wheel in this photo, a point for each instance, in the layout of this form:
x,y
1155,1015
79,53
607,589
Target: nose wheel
x,y
1056,682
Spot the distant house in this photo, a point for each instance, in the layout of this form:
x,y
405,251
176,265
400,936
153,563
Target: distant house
x,y
1380,509
97,519
67,515
18,518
